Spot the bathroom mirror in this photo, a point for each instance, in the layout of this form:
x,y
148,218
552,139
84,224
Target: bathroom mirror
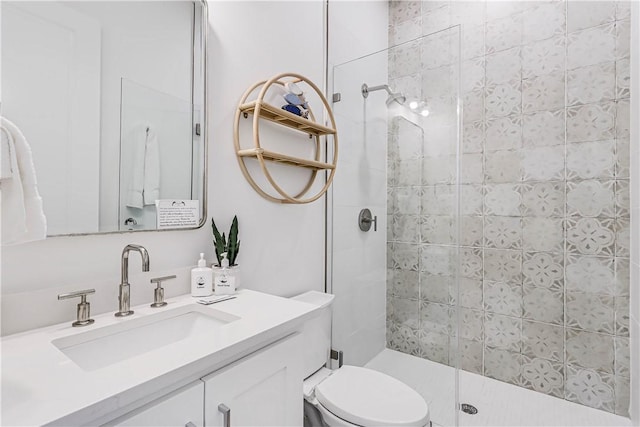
x,y
111,98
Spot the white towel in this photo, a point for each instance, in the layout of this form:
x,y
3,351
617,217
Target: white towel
x,y
23,219
144,187
13,213
8,155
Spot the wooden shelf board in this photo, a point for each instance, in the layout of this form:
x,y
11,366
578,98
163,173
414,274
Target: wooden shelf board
x,y
285,159
285,118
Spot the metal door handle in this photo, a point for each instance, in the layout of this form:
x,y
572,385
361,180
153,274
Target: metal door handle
x,y
226,414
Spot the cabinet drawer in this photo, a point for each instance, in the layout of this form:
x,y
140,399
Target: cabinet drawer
x,y
179,408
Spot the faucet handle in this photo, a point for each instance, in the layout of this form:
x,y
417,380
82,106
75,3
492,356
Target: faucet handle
x,y
84,308
158,292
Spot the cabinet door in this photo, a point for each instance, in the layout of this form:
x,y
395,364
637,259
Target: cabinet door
x,y
262,389
183,407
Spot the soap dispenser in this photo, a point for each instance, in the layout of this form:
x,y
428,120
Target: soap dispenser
x,y
201,278
224,282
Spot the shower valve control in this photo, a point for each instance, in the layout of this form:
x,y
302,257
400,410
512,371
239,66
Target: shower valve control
x,y
365,219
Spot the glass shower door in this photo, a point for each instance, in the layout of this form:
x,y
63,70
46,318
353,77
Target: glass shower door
x,y
396,285
144,112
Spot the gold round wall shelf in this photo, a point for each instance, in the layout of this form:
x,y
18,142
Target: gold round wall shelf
x,y
261,110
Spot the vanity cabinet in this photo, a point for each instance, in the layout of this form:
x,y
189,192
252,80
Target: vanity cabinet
x,y
263,389
246,353
182,407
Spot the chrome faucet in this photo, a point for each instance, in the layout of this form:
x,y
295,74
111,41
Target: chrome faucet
x,y
124,296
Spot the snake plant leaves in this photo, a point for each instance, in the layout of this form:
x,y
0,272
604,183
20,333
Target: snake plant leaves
x,y
218,242
234,244
221,245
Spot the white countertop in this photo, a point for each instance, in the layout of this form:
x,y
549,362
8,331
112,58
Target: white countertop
x,y
40,385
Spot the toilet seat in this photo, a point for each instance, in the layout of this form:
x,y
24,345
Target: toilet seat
x,y
370,398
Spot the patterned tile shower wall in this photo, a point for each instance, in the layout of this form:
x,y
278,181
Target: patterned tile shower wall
x,y
544,182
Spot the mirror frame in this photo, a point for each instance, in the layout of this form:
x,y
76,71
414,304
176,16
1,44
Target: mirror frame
x,y
204,20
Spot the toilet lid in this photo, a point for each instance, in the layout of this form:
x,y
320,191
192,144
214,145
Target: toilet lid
x,y
370,398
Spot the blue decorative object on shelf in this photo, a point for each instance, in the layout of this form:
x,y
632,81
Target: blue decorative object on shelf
x,y
294,99
292,109
296,103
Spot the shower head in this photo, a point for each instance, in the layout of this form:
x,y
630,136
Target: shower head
x,y
393,96
396,97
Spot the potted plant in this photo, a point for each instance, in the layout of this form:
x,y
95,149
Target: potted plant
x,y
230,246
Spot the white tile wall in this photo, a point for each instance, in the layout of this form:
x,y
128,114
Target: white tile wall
x,y
545,170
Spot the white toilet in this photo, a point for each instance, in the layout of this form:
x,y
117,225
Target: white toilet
x,y
351,395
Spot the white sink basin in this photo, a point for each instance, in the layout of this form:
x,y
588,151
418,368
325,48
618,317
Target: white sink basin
x,y
112,344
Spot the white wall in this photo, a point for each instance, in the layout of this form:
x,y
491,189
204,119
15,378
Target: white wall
x,y
634,309
358,259
282,246
356,28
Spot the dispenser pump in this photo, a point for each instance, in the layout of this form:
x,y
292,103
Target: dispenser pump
x,y
201,279
225,261
224,281
202,262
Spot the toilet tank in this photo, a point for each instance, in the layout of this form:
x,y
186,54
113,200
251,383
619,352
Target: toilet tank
x,y
316,332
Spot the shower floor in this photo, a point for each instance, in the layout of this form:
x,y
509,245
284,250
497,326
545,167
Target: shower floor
x,y
498,403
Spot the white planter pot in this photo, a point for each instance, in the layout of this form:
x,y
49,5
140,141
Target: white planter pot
x,y
234,272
